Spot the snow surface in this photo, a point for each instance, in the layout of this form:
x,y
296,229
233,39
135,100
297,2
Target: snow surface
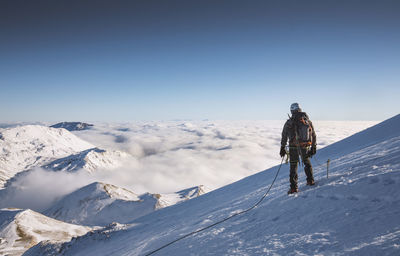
x,y
21,229
101,204
90,160
353,212
24,147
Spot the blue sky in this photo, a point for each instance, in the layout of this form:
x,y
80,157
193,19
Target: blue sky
x,y
164,60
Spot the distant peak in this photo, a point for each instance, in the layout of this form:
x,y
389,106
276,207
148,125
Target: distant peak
x,y
192,192
73,126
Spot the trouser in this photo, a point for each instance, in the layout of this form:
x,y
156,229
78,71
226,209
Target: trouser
x,y
294,161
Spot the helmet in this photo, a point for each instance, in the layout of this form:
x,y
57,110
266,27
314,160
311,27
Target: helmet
x,y
295,108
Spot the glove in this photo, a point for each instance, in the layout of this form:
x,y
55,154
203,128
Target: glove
x,y
313,150
282,152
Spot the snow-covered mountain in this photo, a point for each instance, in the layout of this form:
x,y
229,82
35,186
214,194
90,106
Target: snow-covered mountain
x,y
90,160
25,147
165,200
29,146
102,204
21,229
73,126
353,212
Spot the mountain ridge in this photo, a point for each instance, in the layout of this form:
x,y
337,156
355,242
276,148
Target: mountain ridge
x,y
21,229
29,146
99,204
73,126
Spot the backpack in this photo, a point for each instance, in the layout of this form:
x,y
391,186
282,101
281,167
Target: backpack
x,y
303,127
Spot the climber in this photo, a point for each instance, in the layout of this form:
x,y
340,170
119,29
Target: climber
x,y
302,143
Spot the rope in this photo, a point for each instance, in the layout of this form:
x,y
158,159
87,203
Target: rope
x,y
223,220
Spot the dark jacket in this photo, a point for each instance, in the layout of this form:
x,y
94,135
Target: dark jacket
x,y
289,133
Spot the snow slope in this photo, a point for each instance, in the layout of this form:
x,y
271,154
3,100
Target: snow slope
x,y
90,160
370,136
101,204
354,212
24,147
21,229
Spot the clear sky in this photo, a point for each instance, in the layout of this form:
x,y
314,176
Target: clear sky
x,y
163,60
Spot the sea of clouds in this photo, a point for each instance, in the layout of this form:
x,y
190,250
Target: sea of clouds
x,y
170,156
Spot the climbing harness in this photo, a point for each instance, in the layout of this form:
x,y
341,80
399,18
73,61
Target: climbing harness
x,y
223,220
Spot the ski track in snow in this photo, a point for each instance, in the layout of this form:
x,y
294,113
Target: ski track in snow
x,y
354,212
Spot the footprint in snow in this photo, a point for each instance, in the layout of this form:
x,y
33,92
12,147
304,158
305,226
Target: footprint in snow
x,y
353,198
333,198
389,182
373,180
376,200
276,218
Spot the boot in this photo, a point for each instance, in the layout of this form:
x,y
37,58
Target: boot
x,y
310,182
292,190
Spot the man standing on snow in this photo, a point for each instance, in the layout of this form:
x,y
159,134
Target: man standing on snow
x,y
302,143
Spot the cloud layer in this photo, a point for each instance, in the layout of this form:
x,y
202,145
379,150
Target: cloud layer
x,y
170,156
38,188
174,155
